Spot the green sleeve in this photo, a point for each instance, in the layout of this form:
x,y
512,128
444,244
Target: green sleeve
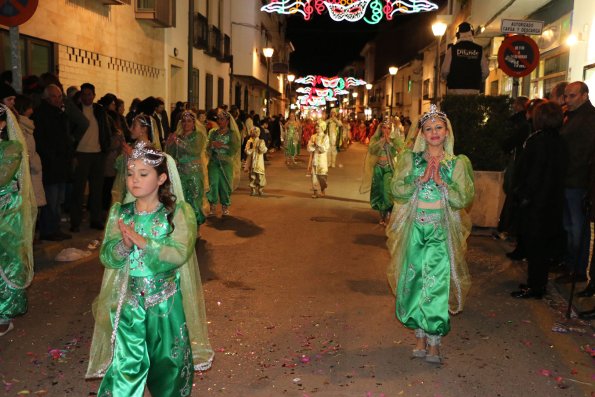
x,y
109,255
376,146
173,250
460,187
11,154
403,183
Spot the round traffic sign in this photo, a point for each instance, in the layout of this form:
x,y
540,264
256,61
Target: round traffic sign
x,y
16,12
518,55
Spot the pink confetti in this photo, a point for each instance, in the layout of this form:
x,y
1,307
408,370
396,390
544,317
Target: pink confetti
x,y
545,372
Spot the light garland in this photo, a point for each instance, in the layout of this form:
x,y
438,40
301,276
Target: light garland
x,y
350,10
331,88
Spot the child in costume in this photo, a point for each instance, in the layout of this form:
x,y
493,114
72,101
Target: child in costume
x,y
318,146
255,150
188,147
334,127
18,211
223,149
150,326
379,167
427,233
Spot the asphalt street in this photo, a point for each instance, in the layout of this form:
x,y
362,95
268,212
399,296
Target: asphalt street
x,y
298,305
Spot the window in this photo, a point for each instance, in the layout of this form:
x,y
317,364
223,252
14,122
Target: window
x,y
494,87
220,91
201,31
238,96
209,91
426,89
195,88
161,12
37,56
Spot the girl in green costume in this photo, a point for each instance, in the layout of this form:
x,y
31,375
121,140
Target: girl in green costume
x,y
379,166
427,233
188,147
292,135
150,326
223,149
18,211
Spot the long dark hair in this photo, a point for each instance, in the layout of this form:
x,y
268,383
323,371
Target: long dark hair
x,y
166,196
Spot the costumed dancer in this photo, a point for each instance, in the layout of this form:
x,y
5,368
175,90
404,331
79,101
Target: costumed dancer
x,y
150,325
379,166
255,150
188,147
291,138
318,146
307,131
18,211
334,135
428,232
141,130
223,149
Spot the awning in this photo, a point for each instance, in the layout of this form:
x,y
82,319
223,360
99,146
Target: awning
x,y
253,81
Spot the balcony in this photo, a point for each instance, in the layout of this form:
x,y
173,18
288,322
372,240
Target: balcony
x,y
215,43
115,2
161,12
226,49
201,31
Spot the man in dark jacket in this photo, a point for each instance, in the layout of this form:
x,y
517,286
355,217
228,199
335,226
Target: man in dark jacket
x,y
55,148
578,135
89,159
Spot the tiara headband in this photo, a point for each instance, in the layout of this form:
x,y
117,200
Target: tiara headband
x,y
187,114
143,120
147,155
432,115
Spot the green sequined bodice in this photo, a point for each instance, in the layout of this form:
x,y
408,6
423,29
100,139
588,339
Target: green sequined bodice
x,y
429,191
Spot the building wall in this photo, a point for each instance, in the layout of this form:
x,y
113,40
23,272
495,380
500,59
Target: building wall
x,y
582,54
104,45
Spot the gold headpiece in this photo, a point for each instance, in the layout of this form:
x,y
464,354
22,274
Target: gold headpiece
x,y
188,114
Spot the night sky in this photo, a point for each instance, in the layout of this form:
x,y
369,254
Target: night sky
x,y
324,47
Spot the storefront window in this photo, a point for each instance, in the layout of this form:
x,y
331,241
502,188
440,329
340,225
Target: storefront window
x,y
36,55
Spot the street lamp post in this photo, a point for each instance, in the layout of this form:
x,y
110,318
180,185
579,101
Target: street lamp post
x,y
393,71
368,88
290,78
268,53
354,94
438,28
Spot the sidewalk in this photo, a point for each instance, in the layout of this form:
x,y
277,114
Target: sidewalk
x,y
45,252
500,247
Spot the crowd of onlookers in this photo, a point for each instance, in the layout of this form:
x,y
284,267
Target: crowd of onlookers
x,y
550,187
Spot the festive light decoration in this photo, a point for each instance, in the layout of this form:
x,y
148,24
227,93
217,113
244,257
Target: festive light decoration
x,y
350,10
332,87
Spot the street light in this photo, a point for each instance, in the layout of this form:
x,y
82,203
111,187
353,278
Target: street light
x,y
393,71
268,53
438,28
290,78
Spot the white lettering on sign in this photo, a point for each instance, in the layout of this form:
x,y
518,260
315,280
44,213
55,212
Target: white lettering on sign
x,y
521,27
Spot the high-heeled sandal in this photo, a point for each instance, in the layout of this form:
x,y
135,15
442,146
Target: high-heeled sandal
x,y
419,353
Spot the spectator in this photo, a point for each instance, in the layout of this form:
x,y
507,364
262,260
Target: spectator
x,y
517,132
132,112
540,194
54,145
89,161
578,135
24,107
6,77
557,94
109,103
161,115
175,115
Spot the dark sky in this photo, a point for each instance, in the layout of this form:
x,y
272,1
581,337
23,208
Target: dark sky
x,y
324,47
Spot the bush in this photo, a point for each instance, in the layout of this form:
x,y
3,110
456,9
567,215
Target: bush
x,y
479,123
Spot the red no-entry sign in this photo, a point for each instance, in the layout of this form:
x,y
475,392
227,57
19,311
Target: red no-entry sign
x,y
518,55
16,12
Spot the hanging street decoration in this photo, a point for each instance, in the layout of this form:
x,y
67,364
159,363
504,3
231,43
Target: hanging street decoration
x,y
350,10
331,88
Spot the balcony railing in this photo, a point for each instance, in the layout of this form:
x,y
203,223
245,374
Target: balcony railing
x,y
215,44
201,31
161,12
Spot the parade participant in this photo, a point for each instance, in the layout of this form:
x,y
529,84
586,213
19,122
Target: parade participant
x,y
307,131
141,131
188,147
379,167
18,210
150,326
427,233
334,135
292,133
255,150
223,149
318,147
